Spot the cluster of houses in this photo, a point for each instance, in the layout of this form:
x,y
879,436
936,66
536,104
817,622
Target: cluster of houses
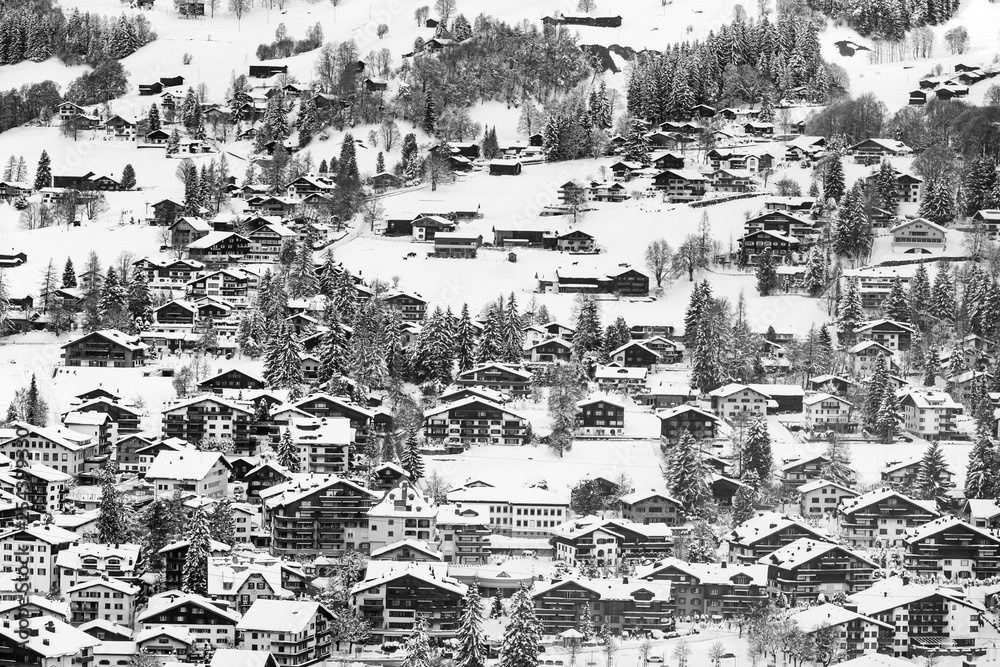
x,y
950,86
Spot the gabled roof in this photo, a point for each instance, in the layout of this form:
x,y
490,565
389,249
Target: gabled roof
x,y
184,465
213,238
415,545
510,369
813,399
864,345
171,599
939,525
766,524
424,574
639,496
922,221
866,500
803,550
878,323
281,615
814,618
683,408
732,388
113,336
817,484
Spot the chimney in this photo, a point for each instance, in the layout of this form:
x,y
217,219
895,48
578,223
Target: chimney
x,y
50,626
723,564
624,580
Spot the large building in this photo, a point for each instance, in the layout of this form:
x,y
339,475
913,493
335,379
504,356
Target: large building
x,y
295,632
617,604
108,348
709,589
765,533
475,421
806,569
515,511
882,518
392,599
949,548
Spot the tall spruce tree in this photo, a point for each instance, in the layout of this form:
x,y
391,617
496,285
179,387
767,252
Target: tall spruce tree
x,y
982,468
412,460
850,312
942,302
896,306
43,173
756,452
833,178
687,475
471,648
933,477
69,274
520,646
112,518
194,574
287,453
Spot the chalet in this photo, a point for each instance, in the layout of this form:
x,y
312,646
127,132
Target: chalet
x,y
528,235
307,185
147,89
765,533
919,236
412,307
549,351
157,137
882,518
505,167
732,180
235,286
608,542
758,129
918,97
872,151
990,219
709,590
11,258
383,181
681,185
668,350
929,414
325,406
425,227
669,161
12,190
864,354
902,475
415,587
188,612
622,380
166,211
831,384
635,354
293,631
908,188
267,242
68,111
753,245
106,348
894,335
437,44
950,91
623,280
826,412
677,421
928,619
796,472
208,416
859,636
219,247
665,395
462,245
575,241
375,85
119,127
821,497
950,548
229,380
783,222
266,71
203,473
281,206
623,170
186,230
736,399
600,416
498,377
794,570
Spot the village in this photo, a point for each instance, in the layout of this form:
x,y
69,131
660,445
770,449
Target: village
x,y
328,370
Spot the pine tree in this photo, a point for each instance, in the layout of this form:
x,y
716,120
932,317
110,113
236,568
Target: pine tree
x,y
490,340
287,454
933,478
636,148
512,333
158,529
69,274
878,384
686,474
932,366
833,178
587,337
850,312
942,302
174,143
413,461
756,452
471,649
980,478
767,274
888,415
886,187
465,341
521,637
194,575
128,178
140,301
283,359
43,174
746,498
379,163
920,293
430,116
223,524
333,350
112,518
306,121
896,306
153,118
938,203
838,465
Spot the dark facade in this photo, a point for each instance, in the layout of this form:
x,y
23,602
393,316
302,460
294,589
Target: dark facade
x,y
701,424
100,349
498,378
618,606
600,414
320,520
232,379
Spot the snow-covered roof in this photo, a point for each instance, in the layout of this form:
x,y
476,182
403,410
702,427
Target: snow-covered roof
x,y
639,496
239,657
931,528
114,336
876,496
424,572
211,239
922,221
804,550
510,494
184,465
732,388
618,373
49,637
48,533
416,545
813,399
893,592
814,618
403,501
683,408
817,484
114,584
170,599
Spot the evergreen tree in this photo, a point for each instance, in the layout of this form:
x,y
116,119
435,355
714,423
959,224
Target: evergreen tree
x,y
878,384
333,350
886,187
978,183
564,393
287,454
512,333
128,178
942,302
113,303
379,163
69,274
980,478
837,468
833,178
767,274
112,519
636,148
521,637
746,498
306,121
850,313
194,574
815,278
756,452
708,363
888,415
174,143
932,366
896,306
938,203
283,360
153,118
700,296
158,529
140,301
465,341
933,477
920,293
430,116
587,337
412,460
686,475
43,174
223,524
418,646
491,341
471,649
